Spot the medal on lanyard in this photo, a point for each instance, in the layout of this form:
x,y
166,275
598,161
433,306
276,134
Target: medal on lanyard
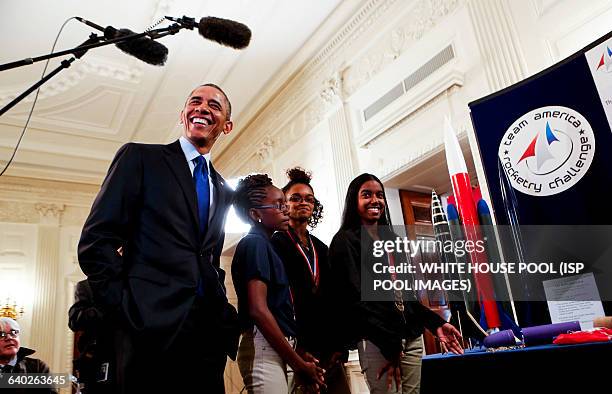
x,y
399,302
314,269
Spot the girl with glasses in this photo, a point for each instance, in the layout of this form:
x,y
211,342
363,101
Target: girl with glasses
x,y
305,259
264,297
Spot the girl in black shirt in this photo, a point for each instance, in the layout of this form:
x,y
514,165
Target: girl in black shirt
x,y
264,300
387,332
305,259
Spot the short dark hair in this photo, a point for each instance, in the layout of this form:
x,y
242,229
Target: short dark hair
x,y
298,175
212,85
350,216
250,192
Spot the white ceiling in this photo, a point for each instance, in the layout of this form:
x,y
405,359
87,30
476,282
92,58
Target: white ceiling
x,y
108,98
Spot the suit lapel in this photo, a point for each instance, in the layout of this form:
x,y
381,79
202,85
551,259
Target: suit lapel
x,y
175,158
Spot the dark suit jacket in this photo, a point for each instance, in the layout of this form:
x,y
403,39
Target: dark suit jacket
x,y
148,205
377,321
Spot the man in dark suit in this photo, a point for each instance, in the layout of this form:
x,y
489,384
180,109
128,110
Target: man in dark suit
x,y
164,207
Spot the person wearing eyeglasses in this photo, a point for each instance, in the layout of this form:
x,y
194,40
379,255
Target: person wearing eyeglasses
x,y
16,359
265,306
305,259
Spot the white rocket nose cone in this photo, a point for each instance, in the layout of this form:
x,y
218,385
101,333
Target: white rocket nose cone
x,y
454,156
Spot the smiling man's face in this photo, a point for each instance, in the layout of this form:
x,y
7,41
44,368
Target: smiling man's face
x,y
205,117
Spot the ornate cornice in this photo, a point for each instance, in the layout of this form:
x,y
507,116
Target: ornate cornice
x,y
332,88
16,212
33,191
49,210
264,150
337,70
424,15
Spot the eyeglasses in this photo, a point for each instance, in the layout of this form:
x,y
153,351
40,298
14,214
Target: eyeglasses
x,y
13,334
280,207
296,198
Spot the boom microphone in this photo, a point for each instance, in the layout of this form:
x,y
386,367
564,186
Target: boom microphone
x,y
224,31
143,48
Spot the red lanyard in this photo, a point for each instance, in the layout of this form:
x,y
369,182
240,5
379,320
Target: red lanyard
x,y
314,273
392,264
399,302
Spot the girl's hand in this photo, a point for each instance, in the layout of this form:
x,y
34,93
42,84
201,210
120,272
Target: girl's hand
x,y
393,371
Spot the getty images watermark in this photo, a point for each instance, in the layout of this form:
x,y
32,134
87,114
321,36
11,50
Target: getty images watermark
x,y
34,380
494,262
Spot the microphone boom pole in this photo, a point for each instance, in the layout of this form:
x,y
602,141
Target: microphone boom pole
x,y
64,64
223,31
94,41
173,29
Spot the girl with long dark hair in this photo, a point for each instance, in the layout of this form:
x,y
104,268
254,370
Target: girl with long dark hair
x,y
386,333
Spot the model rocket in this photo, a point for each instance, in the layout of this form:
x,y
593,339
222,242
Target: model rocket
x,y
458,300
456,235
500,281
487,230
466,206
442,234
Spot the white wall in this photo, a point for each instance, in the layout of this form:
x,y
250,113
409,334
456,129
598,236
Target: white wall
x,y
40,224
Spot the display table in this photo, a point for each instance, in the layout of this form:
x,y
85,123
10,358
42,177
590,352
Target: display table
x,y
560,369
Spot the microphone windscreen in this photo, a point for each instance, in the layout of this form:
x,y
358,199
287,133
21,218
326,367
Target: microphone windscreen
x,y
224,31
143,48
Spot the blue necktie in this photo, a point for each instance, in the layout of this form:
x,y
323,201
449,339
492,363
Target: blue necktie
x,y
200,178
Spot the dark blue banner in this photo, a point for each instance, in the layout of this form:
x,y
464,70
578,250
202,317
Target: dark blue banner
x,y
550,134
546,150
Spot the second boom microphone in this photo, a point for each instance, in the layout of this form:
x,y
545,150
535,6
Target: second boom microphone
x,y
143,48
223,31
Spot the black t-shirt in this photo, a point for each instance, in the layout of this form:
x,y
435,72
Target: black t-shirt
x,y
309,293
256,259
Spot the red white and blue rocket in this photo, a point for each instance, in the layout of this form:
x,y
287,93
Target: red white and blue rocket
x,y
466,206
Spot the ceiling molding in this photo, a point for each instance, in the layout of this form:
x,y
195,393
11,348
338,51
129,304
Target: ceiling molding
x,y
301,88
301,95
109,98
74,117
293,70
73,76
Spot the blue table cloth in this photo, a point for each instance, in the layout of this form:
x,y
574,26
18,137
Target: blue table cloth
x,y
546,368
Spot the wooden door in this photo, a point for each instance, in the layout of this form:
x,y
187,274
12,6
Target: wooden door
x,y
416,209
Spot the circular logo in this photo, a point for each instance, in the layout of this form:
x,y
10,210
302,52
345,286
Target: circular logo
x,y
547,150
